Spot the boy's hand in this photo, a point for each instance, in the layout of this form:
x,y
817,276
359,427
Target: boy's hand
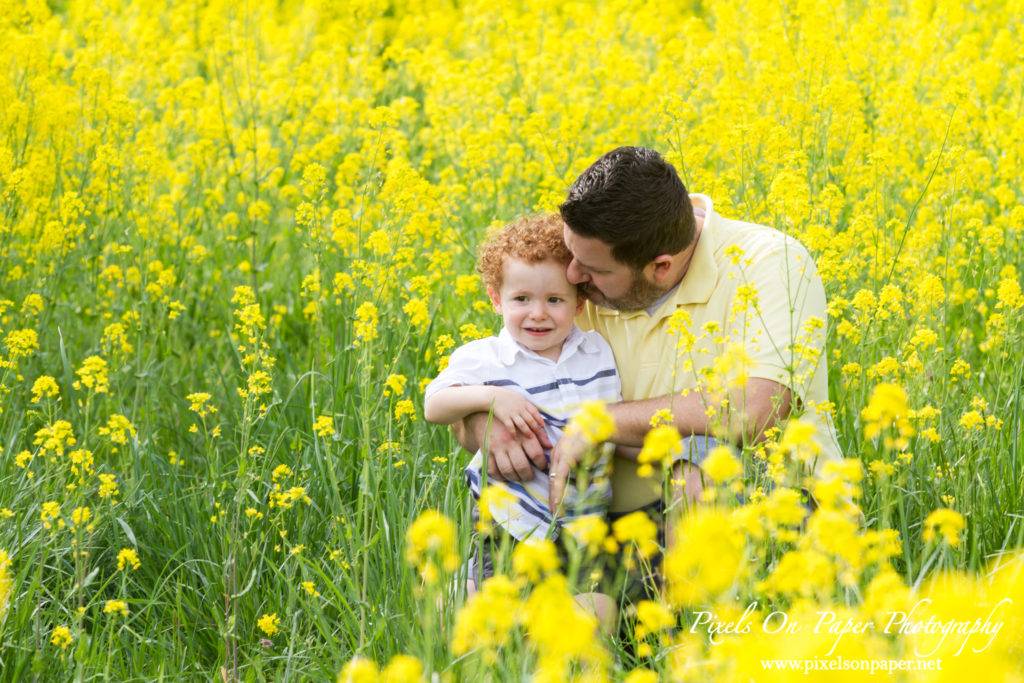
x,y
516,412
566,454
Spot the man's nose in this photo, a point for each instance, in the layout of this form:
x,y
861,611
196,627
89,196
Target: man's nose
x,y
574,274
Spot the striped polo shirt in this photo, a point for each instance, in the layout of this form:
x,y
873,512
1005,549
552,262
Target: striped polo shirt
x,y
585,371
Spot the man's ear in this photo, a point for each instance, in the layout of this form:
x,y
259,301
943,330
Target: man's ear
x,y
495,298
660,267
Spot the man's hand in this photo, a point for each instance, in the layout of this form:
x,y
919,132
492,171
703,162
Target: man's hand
x,y
566,454
509,453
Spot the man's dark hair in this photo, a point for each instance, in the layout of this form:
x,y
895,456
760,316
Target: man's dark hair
x,y
632,200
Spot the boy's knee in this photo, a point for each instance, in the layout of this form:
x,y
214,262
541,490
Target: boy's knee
x,y
601,606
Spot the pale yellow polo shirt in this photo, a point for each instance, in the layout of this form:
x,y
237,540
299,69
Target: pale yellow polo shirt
x,y
771,302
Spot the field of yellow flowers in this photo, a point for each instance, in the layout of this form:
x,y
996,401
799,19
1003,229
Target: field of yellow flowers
x,y
237,239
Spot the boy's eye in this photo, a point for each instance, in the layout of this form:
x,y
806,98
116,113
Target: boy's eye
x,y
554,299
521,297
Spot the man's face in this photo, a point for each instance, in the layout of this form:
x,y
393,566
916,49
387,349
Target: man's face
x,y
604,280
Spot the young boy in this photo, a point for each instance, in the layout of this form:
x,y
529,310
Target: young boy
x,y
535,373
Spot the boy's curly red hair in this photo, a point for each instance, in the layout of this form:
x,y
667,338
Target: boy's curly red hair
x,y
532,240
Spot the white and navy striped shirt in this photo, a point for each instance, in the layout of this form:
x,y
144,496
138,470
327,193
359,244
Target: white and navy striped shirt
x,y
585,371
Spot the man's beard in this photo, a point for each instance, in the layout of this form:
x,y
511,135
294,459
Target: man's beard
x,y
640,294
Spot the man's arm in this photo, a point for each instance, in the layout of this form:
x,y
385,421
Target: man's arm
x,y
751,409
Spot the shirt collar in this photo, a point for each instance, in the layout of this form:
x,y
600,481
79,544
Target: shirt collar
x,y
509,348
698,284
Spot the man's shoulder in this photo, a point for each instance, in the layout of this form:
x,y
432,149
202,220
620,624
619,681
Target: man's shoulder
x,y
753,242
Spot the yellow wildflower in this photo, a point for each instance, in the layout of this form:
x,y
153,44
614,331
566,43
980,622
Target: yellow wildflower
x,y
706,559
534,560
198,403
127,557
323,426
268,623
888,408
5,583
660,444
395,384
637,529
366,322
44,386
402,669
61,636
80,516
946,522
108,486
405,408
50,511
116,607
92,375
359,670
721,465
430,540
21,343
593,423
487,619
117,429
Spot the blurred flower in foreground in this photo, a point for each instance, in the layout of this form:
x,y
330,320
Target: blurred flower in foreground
x,y
429,540
948,523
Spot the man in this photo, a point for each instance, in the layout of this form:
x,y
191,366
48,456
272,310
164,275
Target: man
x,y
719,321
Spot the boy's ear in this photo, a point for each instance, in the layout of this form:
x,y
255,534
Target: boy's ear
x,y
495,298
581,301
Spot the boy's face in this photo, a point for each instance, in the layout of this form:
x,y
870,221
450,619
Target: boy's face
x,y
537,304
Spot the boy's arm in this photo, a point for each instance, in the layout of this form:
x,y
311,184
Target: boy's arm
x,y
452,404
